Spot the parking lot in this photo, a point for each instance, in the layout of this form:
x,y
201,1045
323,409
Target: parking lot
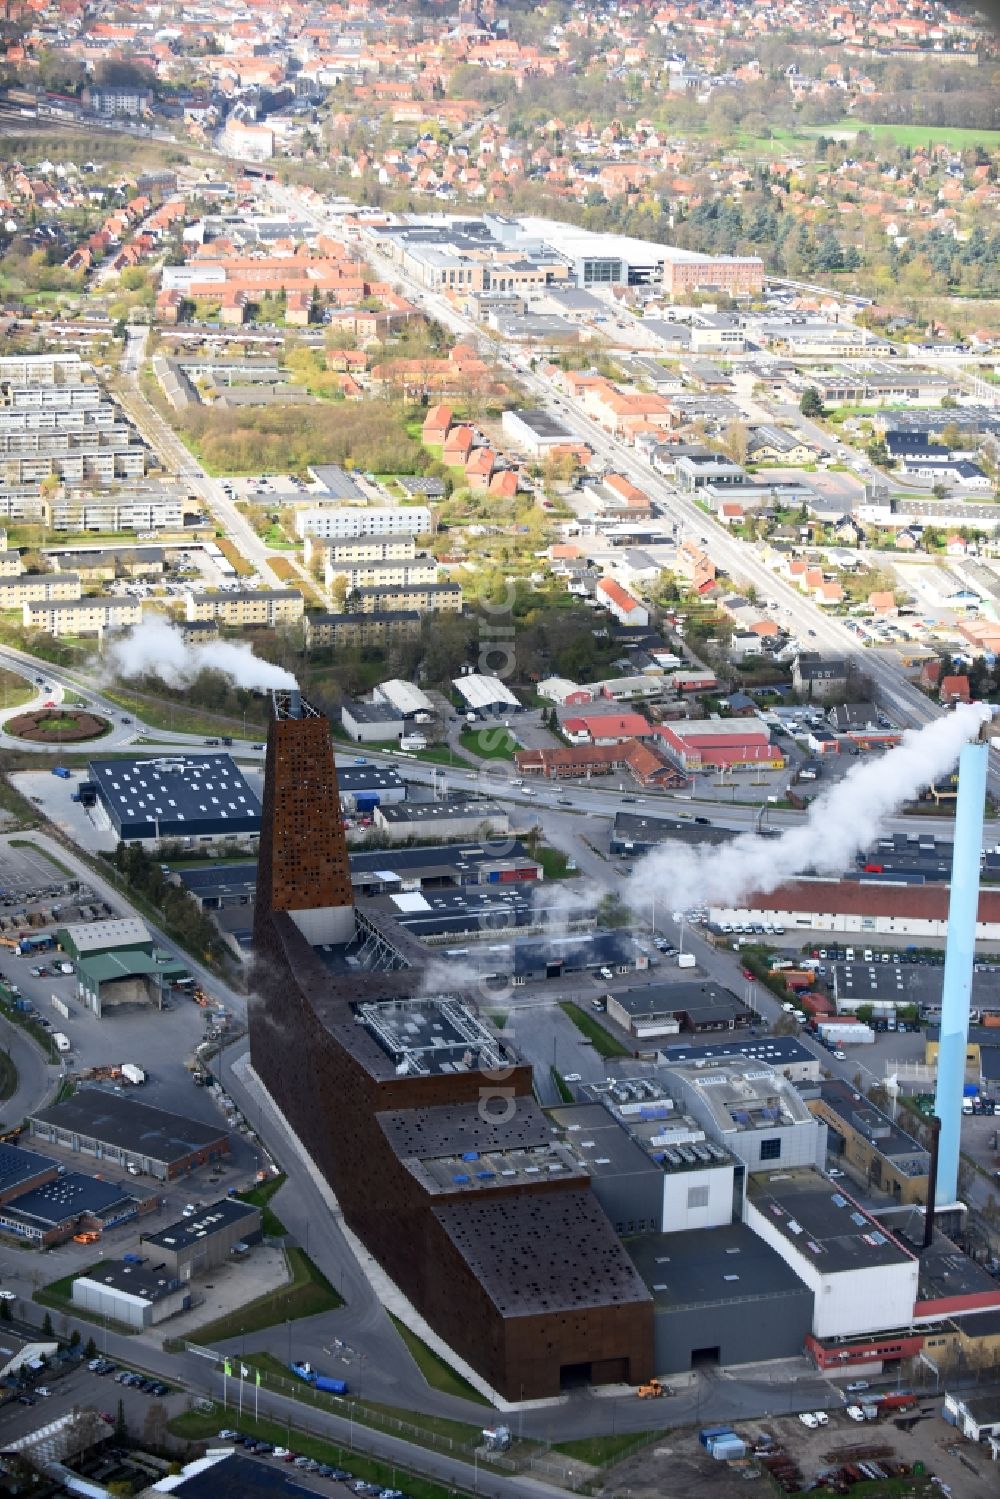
x,y
54,796
78,1386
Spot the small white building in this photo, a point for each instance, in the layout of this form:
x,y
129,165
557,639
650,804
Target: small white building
x,y
131,1294
564,692
976,1417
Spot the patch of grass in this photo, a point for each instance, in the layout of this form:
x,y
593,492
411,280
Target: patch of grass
x,y
196,1426
459,1433
599,1451
605,1044
14,689
37,1032
233,554
565,1093
438,1374
489,743
43,853
8,1076
554,862
161,713
307,1294
260,1197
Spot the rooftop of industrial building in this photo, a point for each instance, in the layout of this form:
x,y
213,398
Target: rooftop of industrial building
x,y
431,812
711,1265
742,1095
380,869
541,422
542,1252
209,1220
136,1280
101,967
431,1034
367,777
945,1271
482,908
597,1139
611,1141
455,1129
637,827
17,1166
233,1476
701,999
146,1131
176,789
97,936
370,712
777,1051
907,1154
475,1170
70,1194
822,1222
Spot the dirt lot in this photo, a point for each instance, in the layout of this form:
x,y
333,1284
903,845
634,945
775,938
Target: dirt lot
x,y
680,1466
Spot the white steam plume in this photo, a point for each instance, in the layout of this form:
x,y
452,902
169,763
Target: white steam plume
x,y
157,648
840,823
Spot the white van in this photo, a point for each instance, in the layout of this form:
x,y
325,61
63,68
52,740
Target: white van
x,y
62,1041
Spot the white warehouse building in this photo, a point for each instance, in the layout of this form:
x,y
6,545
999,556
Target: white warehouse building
x,y
485,695
863,1279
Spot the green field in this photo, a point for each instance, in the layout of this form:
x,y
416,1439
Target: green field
x,y
604,1043
599,1451
438,1374
439,1431
260,1197
194,1426
960,137
489,743
554,862
14,689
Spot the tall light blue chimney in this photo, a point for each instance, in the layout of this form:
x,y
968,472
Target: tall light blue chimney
x,y
959,959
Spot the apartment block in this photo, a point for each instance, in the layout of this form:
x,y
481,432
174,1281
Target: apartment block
x,y
163,512
357,631
61,458
402,573
40,369
361,549
255,606
33,588
426,598
84,616
341,522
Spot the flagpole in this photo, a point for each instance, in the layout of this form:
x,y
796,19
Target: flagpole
x,y
226,1371
256,1392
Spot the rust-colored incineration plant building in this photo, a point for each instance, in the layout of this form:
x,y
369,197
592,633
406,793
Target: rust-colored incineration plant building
x,y
420,1118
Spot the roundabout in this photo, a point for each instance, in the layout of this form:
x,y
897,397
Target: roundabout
x,y
57,726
